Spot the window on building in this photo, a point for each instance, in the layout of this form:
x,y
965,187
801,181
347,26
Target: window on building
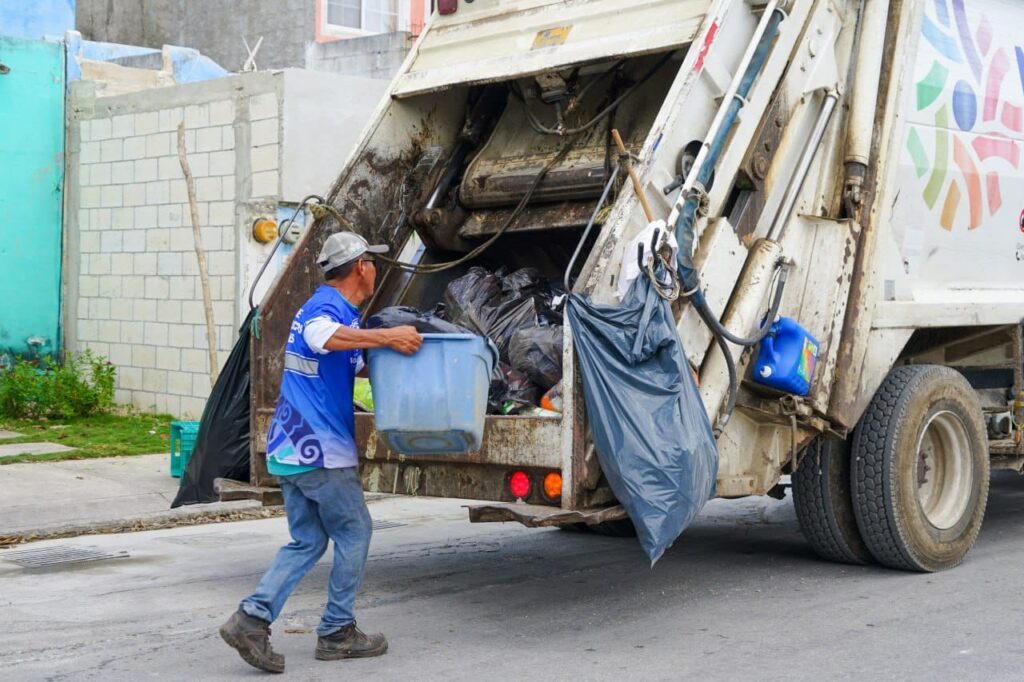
x,y
357,17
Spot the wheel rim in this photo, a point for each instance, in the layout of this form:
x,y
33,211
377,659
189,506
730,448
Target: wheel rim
x,y
943,468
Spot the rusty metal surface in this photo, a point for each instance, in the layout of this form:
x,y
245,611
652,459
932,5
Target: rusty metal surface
x,y
536,516
508,442
443,479
565,215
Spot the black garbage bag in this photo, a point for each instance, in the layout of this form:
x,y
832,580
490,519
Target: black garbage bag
x,y
222,444
537,353
479,301
649,426
525,282
425,323
510,391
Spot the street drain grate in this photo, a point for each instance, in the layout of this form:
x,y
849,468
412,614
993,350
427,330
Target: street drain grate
x,y
58,555
384,525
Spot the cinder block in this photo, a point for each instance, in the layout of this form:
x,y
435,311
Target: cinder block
x,y
99,309
208,139
84,179
110,331
197,115
144,400
193,360
111,196
144,310
135,194
221,262
228,137
180,335
121,264
263,106
88,329
111,150
89,152
168,358
225,338
211,239
157,239
264,184
199,164
222,112
199,338
99,219
159,144
122,126
143,355
166,404
121,309
89,242
110,285
100,348
132,331
129,378
189,265
157,288
168,263
120,354
147,122
179,383
158,192
154,380
179,191
192,313
88,286
227,192
222,213
145,217
144,264
99,263
266,132
135,148
99,174
208,189
265,158
222,163
156,334
122,218
169,168
145,170
99,129
169,215
170,118
184,288
223,311
122,396
134,241
122,172
192,406
135,284
182,240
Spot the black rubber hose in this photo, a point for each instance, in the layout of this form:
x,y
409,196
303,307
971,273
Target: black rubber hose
x,y
704,310
734,383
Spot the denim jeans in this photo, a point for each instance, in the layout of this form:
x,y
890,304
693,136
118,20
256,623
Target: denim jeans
x,y
322,505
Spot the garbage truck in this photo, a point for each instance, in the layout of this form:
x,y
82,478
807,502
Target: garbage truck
x,y
850,165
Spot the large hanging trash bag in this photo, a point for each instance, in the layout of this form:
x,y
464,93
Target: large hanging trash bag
x,y
646,417
222,444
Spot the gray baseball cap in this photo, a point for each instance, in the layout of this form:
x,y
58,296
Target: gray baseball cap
x,y
344,247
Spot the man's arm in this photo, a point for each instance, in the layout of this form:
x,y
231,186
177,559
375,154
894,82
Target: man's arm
x,y
404,339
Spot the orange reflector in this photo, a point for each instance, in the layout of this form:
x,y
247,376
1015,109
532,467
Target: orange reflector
x,y
553,485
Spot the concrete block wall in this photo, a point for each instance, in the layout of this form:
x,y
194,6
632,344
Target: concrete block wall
x,y
136,296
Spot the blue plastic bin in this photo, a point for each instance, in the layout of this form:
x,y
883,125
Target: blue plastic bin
x,y
435,401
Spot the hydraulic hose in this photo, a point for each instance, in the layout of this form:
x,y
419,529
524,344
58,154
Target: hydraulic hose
x,y
734,382
701,304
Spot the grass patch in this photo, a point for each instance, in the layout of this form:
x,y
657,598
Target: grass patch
x,y
104,435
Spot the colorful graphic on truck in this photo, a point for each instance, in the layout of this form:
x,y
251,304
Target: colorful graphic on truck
x,y
964,139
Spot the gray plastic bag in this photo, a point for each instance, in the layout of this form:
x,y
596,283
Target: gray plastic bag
x,y
646,417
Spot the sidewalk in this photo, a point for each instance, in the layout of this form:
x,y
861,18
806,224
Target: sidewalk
x,y
47,499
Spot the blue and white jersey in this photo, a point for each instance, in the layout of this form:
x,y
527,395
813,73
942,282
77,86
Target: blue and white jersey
x,y
314,425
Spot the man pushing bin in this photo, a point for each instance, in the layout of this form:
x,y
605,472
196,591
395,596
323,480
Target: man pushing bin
x,y
311,448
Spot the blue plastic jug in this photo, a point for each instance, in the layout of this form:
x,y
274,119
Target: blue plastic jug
x,y
787,358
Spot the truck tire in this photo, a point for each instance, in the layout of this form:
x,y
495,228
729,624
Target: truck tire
x,y
824,503
920,470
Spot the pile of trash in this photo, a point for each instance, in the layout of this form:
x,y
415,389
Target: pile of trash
x,y
521,312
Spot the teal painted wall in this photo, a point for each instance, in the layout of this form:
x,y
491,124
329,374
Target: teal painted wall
x,y
31,195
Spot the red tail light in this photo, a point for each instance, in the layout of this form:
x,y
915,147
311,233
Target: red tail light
x,y
447,6
519,485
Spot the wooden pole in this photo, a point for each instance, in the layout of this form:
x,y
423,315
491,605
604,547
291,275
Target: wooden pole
x,y
633,176
204,275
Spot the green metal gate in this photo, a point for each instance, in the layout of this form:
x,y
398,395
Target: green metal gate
x,y
31,195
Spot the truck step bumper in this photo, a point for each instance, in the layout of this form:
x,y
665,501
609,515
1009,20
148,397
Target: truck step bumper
x,y
539,516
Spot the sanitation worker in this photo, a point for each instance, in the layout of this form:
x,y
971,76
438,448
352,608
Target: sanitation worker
x,y
311,448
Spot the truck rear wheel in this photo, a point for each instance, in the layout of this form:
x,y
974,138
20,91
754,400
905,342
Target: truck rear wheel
x,y
824,504
920,469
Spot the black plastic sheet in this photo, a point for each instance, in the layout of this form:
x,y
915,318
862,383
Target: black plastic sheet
x,y
222,444
646,417
537,353
425,323
511,391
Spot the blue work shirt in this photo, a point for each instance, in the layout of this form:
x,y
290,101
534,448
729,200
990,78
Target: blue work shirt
x,y
314,425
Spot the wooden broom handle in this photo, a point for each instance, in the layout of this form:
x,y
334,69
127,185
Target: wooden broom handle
x,y
632,176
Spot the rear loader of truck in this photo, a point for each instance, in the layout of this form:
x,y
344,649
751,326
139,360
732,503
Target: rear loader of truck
x,y
850,165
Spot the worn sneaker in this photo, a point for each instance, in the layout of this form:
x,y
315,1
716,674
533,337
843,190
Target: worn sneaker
x,y
350,642
251,637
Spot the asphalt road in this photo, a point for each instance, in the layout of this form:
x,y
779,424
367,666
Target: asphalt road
x,y
740,595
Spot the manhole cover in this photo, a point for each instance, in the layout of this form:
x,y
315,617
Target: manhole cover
x,y
58,555
384,525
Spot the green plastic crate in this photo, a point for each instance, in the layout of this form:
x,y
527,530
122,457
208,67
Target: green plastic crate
x,y
183,439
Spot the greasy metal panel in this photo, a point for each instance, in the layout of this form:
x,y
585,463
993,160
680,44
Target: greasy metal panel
x,y
439,479
508,441
31,201
490,40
